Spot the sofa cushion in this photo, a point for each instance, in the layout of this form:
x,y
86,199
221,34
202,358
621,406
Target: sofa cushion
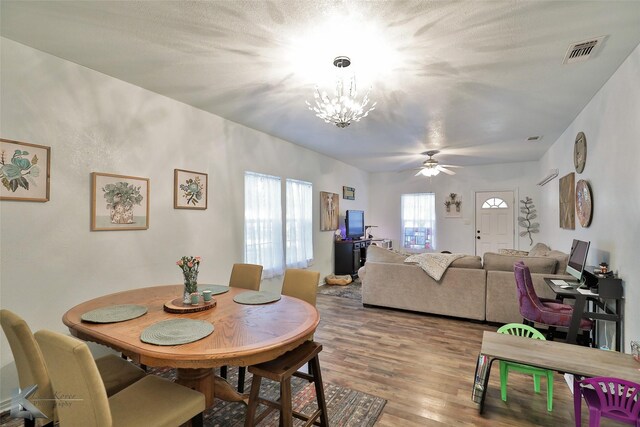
x,y
378,254
539,249
493,261
467,261
562,259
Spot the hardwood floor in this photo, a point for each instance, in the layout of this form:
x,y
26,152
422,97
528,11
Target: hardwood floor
x,y
424,367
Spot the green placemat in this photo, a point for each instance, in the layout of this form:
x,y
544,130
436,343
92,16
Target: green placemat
x,y
215,289
114,313
256,297
176,331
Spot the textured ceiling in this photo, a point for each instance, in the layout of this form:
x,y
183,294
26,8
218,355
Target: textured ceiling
x,y
471,78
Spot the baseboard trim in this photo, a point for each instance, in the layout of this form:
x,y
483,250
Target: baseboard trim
x,y
5,406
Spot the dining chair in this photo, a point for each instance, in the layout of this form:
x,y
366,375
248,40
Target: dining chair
x,y
245,276
115,372
151,401
547,312
526,331
608,397
301,284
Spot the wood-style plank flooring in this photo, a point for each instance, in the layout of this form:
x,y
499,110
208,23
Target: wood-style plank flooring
x,y
424,366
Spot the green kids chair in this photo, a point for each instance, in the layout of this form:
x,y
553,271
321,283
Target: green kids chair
x,y
521,330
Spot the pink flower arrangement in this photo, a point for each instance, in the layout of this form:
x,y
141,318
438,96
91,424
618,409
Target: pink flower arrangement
x,y
189,266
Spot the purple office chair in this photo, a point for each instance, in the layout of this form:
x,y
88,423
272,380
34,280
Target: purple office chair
x,y
533,309
608,397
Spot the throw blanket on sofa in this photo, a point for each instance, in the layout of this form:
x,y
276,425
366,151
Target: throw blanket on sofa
x,y
433,264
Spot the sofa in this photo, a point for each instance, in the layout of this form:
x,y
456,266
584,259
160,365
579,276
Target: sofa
x,y
471,288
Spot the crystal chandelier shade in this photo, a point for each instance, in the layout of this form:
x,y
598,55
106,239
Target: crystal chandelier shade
x,y
344,107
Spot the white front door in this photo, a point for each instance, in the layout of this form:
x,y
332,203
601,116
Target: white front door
x,y
494,221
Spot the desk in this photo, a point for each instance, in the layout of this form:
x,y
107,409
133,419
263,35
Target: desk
x,y
579,311
244,334
557,356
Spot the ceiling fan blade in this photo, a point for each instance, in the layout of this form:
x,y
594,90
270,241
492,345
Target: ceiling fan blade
x,y
447,171
451,166
419,172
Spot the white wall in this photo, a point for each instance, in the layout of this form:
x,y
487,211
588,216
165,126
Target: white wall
x,y
611,123
51,261
453,234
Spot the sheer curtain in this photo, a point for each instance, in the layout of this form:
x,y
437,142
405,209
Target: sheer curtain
x,y
299,224
419,221
263,223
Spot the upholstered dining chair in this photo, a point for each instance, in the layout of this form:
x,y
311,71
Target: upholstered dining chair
x,y
151,401
534,310
301,284
245,276
115,372
607,397
526,331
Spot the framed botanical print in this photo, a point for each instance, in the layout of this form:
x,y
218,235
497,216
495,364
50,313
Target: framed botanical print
x,y
190,189
119,202
24,171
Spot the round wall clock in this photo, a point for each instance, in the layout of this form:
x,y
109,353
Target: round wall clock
x,y
584,203
580,152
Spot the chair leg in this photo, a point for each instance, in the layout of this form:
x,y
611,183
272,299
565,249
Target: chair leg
x,y
28,422
577,403
536,383
314,367
197,421
223,372
286,409
253,401
241,375
504,373
549,391
594,417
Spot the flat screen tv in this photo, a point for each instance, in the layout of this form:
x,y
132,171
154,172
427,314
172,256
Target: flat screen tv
x,y
354,223
577,258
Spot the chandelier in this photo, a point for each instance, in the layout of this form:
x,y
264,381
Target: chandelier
x,y
344,108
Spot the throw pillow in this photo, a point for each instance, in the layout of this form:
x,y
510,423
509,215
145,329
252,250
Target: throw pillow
x,y
512,252
540,249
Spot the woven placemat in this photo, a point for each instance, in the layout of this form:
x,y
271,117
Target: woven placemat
x,y
114,313
256,297
215,289
176,332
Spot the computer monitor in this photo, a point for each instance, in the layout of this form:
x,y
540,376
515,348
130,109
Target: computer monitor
x,y
577,258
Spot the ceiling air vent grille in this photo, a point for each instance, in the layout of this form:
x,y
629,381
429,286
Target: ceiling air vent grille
x,y
583,50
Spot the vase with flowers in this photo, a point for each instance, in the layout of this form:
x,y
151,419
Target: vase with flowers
x,y
189,266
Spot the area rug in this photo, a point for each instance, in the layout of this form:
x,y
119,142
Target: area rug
x,y
346,407
353,290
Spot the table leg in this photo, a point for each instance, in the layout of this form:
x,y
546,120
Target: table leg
x,y
206,382
481,381
574,326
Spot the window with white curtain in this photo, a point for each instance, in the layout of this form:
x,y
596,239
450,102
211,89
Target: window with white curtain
x,y
418,214
299,224
263,223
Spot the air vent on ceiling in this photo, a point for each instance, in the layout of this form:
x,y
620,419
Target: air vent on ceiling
x,y
583,50
534,138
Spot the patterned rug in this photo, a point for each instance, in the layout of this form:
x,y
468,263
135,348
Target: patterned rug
x,y
353,290
346,407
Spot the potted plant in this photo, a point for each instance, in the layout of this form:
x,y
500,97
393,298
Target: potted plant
x,y
121,198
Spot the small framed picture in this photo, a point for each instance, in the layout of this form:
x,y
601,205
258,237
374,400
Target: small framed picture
x,y
190,189
119,202
348,193
24,171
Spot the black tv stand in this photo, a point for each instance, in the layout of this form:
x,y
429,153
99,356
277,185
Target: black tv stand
x,y
350,255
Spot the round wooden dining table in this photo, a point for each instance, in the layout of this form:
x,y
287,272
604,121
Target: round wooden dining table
x,y
243,334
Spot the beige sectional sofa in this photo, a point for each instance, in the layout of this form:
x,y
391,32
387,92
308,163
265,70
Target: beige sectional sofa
x,y
469,288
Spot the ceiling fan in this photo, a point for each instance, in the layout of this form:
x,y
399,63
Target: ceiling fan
x,y
430,167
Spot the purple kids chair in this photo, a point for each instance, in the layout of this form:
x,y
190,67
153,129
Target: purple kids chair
x,y
608,397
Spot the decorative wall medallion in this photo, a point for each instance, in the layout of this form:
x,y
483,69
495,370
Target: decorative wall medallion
x,y
584,203
580,152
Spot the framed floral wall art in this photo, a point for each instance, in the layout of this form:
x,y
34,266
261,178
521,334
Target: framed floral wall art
x,y
119,202
24,171
190,189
